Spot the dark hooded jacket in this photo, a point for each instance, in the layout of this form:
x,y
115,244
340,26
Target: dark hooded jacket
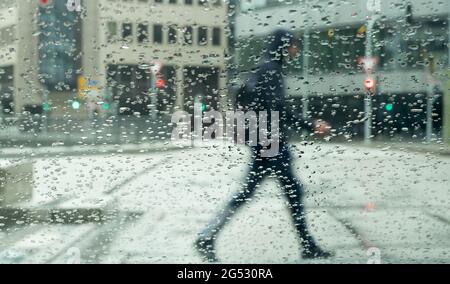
x,y
266,86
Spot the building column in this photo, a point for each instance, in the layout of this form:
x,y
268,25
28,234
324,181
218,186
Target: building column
x,y
93,67
446,110
90,39
28,90
224,98
179,101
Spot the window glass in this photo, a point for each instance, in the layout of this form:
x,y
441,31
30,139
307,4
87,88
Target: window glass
x,y
212,131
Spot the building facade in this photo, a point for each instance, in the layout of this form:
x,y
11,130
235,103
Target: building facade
x,y
327,79
185,40
102,57
19,61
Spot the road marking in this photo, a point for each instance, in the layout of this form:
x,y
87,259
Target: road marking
x,y
137,175
353,230
437,217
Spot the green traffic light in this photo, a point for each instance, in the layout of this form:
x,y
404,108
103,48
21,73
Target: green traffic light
x,y
106,106
389,107
76,105
45,106
203,107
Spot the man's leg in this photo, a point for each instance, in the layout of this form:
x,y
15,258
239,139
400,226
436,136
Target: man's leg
x,y
205,243
294,191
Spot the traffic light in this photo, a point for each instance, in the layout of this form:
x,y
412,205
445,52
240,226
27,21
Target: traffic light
x,y
46,106
369,85
76,105
160,83
106,106
389,107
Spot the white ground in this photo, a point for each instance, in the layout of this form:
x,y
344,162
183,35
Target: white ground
x,y
357,198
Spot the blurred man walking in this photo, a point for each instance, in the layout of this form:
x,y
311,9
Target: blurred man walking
x,y
265,91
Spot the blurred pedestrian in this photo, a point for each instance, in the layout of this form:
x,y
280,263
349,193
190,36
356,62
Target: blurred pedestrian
x,y
265,91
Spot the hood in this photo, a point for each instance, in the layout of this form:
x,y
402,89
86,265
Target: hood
x,y
277,42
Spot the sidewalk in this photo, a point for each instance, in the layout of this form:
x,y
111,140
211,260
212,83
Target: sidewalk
x,y
38,152
111,131
167,145
428,148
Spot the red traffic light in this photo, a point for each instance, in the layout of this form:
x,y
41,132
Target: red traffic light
x,y
369,84
43,2
160,83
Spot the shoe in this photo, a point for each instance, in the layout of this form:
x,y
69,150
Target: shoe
x,y
316,252
205,247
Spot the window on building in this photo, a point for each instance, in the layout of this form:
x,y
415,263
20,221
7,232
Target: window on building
x,y
172,34
157,34
112,31
127,32
7,35
142,33
7,90
59,46
202,36
217,36
188,33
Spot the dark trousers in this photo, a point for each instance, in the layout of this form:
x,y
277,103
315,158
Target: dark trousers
x,y
279,166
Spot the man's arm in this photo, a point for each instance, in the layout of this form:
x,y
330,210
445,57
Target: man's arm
x,y
275,100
